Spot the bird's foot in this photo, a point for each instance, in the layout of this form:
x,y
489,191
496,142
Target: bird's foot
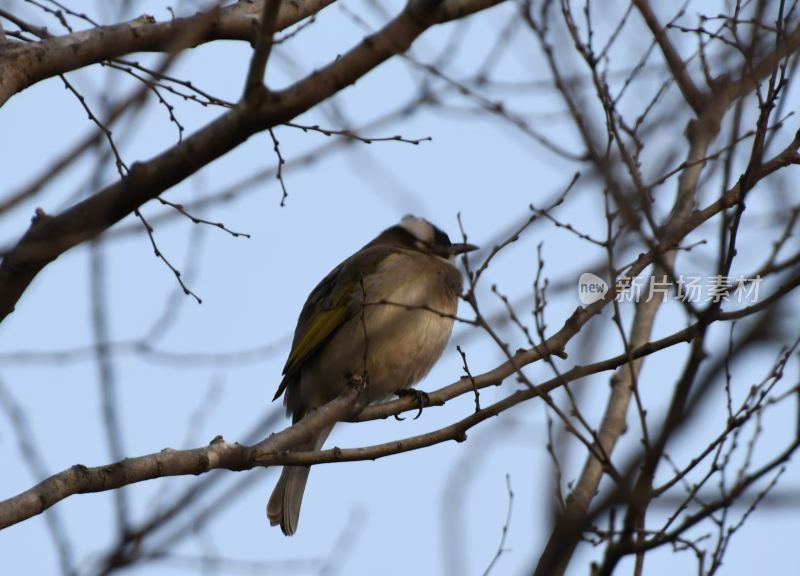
x,y
421,397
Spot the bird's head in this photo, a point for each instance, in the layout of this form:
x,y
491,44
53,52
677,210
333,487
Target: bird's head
x,y
414,233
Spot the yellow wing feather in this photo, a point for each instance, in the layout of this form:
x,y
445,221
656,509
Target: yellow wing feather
x,y
327,308
320,327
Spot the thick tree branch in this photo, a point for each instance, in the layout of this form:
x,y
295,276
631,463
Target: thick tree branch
x,y
25,64
677,65
263,47
48,237
218,455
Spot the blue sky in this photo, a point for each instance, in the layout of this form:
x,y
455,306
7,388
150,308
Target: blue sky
x,y
439,510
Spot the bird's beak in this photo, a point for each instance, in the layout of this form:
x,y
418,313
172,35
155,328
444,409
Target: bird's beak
x,y
462,248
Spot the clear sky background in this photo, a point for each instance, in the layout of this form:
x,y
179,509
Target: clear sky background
x,y
215,367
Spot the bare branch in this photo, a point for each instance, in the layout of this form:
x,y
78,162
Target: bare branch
x,y
677,66
49,237
263,47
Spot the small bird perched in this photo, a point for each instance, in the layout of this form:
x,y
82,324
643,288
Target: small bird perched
x,y
393,303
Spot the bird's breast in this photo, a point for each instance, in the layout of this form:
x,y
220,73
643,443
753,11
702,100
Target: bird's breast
x,y
407,328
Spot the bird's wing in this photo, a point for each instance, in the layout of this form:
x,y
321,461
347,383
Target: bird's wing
x,y
329,306
321,325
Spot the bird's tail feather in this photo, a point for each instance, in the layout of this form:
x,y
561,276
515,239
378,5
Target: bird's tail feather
x,y
287,497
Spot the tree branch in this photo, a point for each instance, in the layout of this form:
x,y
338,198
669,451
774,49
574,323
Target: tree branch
x,y
49,237
26,64
694,97
275,450
218,455
263,47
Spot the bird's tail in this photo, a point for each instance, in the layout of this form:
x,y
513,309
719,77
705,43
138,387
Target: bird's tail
x,y
284,505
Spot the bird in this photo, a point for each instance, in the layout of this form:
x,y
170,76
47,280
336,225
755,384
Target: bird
x,y
385,314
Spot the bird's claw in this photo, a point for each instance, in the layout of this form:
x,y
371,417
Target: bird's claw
x,y
422,398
